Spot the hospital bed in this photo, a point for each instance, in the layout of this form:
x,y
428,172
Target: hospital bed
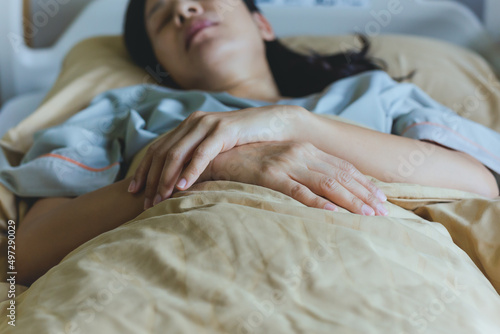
x,y
27,75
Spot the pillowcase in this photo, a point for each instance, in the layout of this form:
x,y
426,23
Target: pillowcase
x,y
452,75
92,67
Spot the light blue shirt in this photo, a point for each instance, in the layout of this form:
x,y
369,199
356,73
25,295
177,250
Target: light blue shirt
x,y
94,148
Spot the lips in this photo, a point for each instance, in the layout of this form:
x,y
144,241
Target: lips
x,y
195,28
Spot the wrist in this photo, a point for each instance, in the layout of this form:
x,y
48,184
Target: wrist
x,y
301,126
322,130
309,127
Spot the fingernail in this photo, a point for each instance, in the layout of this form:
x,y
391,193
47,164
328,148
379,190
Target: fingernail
x,y
181,183
367,211
157,199
381,196
382,209
147,203
131,187
331,207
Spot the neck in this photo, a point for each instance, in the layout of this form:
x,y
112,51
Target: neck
x,y
264,89
257,86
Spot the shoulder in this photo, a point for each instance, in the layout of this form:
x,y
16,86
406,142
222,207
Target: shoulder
x,y
136,92
368,77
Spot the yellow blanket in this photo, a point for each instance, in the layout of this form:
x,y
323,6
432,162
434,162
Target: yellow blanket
x,y
238,258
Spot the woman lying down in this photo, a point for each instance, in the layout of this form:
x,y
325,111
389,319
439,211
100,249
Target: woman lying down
x,y
235,97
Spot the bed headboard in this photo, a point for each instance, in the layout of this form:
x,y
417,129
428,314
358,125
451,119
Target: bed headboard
x,y
24,69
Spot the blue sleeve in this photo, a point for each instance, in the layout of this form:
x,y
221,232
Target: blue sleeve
x,y
420,117
76,157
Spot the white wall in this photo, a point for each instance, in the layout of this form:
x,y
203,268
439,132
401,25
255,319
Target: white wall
x,y
476,6
488,11
4,45
60,13
52,17
492,18
46,15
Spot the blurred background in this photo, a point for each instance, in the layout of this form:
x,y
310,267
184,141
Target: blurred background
x,y
488,12
45,23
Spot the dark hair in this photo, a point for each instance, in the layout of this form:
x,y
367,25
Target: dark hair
x,y
295,74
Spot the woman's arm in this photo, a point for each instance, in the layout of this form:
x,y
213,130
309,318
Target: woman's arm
x,y
46,234
54,227
392,158
303,172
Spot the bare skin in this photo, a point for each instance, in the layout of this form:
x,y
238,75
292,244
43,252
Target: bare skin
x,y
53,227
231,57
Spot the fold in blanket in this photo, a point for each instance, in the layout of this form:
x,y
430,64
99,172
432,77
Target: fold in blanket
x,y
229,257
94,147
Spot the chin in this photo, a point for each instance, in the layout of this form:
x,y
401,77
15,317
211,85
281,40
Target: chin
x,y
214,54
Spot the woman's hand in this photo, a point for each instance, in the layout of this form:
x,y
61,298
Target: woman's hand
x,y
303,172
204,135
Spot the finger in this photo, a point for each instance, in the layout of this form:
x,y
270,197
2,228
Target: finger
x,y
176,157
161,148
153,180
361,192
208,150
364,181
141,173
332,189
304,195
164,190
349,182
349,168
166,185
201,149
285,184
175,160
274,178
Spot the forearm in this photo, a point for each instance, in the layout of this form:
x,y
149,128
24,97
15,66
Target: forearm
x,y
392,158
48,238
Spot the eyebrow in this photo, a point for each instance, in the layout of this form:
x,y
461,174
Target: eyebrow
x,y
156,6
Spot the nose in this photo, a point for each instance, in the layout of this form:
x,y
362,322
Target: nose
x,y
187,9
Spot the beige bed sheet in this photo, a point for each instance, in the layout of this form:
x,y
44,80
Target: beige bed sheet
x,y
228,257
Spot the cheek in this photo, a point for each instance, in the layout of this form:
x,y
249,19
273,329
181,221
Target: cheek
x,y
167,50
242,28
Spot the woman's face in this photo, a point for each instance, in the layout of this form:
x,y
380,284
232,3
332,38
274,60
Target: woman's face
x,y
204,44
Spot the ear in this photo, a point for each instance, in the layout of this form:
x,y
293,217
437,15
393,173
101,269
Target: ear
x,y
264,26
